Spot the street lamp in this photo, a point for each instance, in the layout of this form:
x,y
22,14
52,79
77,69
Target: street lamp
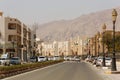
x,y
114,16
103,39
11,54
13,44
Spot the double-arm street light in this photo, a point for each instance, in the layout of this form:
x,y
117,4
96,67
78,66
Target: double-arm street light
x,y
114,16
103,40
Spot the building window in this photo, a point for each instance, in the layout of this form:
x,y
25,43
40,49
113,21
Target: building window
x,y
11,37
18,28
34,36
12,26
25,32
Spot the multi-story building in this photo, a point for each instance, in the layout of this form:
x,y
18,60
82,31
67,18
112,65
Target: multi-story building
x,y
48,49
26,42
15,38
54,49
29,46
76,46
10,29
63,48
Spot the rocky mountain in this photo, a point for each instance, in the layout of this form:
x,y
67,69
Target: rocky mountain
x,y
85,25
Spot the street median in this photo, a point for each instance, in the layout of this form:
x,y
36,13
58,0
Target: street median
x,y
6,71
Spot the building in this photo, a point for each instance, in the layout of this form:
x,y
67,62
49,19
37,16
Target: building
x,y
54,49
47,49
10,40
76,46
26,42
15,38
63,48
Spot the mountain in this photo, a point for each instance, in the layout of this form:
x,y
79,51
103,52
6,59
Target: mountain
x,y
85,25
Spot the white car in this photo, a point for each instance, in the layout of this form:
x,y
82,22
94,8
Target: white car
x,y
76,58
67,58
42,58
4,61
56,58
108,61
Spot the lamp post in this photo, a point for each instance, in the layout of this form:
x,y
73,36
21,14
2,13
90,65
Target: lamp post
x,y
103,39
11,55
13,45
114,16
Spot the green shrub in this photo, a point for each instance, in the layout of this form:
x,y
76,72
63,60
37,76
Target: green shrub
x,y
28,66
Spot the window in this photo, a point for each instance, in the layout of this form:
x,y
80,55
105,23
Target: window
x,y
18,28
12,26
11,37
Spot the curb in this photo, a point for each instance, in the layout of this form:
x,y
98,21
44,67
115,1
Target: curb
x,y
112,72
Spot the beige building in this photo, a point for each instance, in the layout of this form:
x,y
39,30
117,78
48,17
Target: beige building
x,y
63,48
26,43
76,46
10,40
47,49
15,38
54,49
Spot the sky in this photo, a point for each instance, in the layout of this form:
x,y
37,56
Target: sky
x,y
43,11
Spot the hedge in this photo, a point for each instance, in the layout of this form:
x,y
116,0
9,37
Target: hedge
x,y
6,71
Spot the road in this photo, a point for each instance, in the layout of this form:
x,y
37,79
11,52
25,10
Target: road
x,y
62,71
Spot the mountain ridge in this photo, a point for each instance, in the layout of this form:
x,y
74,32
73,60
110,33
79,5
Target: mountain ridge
x,y
85,25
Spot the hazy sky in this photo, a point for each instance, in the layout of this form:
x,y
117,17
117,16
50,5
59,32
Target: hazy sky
x,y
42,11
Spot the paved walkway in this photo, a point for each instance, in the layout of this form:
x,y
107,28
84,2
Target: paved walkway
x,y
115,76
108,76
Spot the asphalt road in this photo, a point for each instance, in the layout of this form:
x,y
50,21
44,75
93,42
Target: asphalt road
x,y
62,71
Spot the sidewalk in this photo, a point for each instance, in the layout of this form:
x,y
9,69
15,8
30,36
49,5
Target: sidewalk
x,y
109,76
114,76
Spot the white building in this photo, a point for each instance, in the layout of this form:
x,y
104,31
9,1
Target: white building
x,y
64,48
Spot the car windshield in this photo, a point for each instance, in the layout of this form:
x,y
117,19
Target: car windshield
x,y
14,58
2,58
32,58
41,57
108,58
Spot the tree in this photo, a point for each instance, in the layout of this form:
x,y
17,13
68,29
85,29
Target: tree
x,y
108,41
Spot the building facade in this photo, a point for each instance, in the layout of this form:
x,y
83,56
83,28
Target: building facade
x,y
15,38
10,29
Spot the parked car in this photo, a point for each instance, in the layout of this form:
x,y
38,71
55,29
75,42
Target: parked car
x,y
15,60
108,61
94,60
4,61
42,58
50,58
88,59
67,58
56,58
33,59
76,58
